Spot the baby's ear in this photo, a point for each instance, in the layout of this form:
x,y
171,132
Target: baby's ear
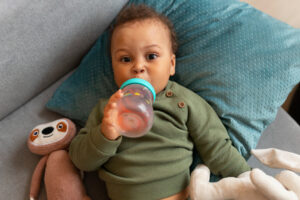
x,y
173,64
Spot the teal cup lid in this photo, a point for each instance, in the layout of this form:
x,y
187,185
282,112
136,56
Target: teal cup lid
x,y
140,82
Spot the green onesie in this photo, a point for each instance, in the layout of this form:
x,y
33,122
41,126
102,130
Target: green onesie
x,y
157,165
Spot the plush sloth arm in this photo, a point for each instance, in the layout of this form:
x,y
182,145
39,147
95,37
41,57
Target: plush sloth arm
x,y
37,178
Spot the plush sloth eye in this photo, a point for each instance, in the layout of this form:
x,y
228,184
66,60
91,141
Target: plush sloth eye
x,y
61,126
34,134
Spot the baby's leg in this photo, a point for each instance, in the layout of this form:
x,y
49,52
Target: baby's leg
x,y
62,179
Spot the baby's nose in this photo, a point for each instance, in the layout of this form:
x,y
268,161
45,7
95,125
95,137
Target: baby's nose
x,y
138,70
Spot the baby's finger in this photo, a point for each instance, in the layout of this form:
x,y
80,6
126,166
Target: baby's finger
x,y
108,122
116,96
114,109
111,114
110,109
113,99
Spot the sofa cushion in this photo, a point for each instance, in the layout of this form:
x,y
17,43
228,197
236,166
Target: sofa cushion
x,y
242,61
42,40
17,163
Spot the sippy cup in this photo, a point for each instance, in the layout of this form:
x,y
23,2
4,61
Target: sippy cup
x,y
135,111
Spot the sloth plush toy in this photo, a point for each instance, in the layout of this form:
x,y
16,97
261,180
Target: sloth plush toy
x,y
62,179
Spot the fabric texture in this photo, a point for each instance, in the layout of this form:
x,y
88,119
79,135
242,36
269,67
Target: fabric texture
x,y
241,61
43,40
127,165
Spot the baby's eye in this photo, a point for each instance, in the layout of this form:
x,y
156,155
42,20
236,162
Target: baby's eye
x,y
151,56
125,59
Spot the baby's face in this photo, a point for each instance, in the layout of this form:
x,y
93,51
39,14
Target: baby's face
x,y
142,49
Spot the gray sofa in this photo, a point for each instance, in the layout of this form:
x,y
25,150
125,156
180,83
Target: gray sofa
x,y
41,43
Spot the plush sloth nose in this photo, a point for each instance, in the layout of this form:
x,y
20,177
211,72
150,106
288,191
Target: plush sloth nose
x,y
47,130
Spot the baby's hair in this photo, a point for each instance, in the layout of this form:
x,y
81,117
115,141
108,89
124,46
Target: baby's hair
x,y
141,12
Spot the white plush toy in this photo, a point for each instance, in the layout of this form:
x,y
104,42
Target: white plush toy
x,y
254,184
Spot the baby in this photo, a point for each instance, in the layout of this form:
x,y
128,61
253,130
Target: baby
x,y
155,166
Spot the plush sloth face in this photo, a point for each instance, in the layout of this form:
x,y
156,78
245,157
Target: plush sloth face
x,y
49,133
48,137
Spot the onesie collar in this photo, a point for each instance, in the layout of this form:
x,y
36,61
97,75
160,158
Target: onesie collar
x,y
163,92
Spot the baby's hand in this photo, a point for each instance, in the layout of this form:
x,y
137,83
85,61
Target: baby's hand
x,y
109,121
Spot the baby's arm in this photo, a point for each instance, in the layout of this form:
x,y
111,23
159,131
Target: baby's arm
x,y
212,141
95,143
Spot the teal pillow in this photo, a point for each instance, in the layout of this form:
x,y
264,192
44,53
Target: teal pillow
x,y
243,62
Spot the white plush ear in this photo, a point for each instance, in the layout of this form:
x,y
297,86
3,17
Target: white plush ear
x,y
276,158
270,187
290,180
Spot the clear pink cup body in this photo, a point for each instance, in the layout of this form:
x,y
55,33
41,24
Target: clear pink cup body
x,y
135,111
